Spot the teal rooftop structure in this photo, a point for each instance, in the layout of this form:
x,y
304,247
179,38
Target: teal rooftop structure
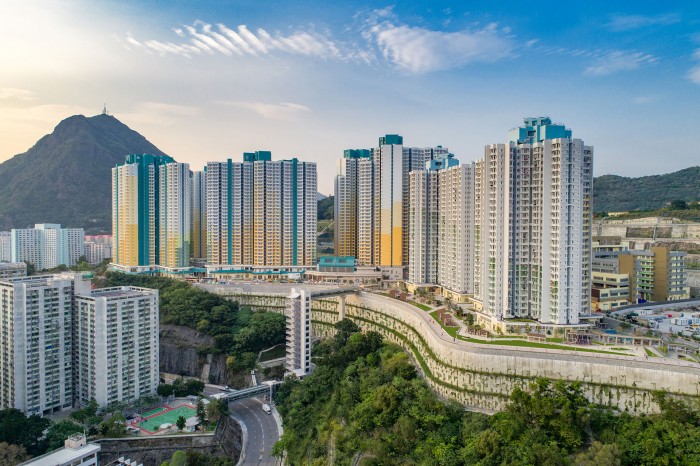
x,y
537,129
441,162
357,153
336,264
257,156
390,139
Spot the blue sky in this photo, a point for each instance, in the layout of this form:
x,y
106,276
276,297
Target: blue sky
x,y
208,80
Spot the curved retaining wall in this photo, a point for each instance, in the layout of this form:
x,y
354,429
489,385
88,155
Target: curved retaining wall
x,y
482,376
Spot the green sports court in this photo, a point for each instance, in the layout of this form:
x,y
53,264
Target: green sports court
x,y
165,417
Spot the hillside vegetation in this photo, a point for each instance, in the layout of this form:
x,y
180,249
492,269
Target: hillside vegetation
x,y
365,404
66,176
612,193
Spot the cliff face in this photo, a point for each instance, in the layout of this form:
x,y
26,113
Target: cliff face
x,y
179,355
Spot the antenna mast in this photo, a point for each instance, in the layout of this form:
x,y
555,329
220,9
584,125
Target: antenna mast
x,y
104,110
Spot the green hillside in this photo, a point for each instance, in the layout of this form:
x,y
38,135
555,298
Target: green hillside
x,y
612,193
65,178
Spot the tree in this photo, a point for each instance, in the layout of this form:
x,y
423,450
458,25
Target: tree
x,y
180,423
679,204
165,390
201,411
59,432
215,409
114,427
11,455
27,431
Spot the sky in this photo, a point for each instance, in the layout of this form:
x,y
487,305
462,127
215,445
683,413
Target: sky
x,y
206,81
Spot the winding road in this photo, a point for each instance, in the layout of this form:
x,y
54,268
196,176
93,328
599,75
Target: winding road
x,y
261,428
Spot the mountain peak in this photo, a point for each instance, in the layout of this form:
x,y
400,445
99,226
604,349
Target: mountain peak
x,y
72,183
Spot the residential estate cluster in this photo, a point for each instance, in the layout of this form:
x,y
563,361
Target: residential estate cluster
x,y
257,213
509,233
64,344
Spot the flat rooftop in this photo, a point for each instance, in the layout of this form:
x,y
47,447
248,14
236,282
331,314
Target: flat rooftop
x,y
63,456
119,292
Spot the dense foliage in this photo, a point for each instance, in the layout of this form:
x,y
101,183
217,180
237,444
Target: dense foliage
x,y
325,208
612,193
365,401
181,388
234,330
76,162
195,458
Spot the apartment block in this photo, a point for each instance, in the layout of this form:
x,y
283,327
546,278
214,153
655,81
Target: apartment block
x,y
151,211
199,214
175,215
47,245
533,225
5,246
346,200
36,344
12,270
115,335
261,212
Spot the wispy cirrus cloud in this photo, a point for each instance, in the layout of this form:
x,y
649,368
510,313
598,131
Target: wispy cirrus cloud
x,y
202,37
159,113
621,23
421,50
281,111
15,94
617,61
694,73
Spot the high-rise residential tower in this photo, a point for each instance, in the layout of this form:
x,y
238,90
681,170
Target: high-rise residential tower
x,y
151,211
47,245
36,345
199,214
261,212
533,225
175,214
346,201
441,218
116,345
5,246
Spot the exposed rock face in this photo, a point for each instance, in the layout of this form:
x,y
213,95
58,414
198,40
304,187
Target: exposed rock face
x,y
180,354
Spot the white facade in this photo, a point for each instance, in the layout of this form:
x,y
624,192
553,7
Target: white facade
x,y
97,252
5,246
298,332
47,245
116,341
13,269
77,452
441,234
533,226
36,344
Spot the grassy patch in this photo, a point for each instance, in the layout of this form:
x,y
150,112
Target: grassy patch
x,y
451,331
419,305
533,344
650,353
275,352
555,340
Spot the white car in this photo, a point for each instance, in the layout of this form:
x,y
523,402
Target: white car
x,y
267,409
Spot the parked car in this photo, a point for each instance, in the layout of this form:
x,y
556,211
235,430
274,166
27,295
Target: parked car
x,y
267,409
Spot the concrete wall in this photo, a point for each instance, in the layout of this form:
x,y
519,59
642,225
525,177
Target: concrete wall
x,y
482,376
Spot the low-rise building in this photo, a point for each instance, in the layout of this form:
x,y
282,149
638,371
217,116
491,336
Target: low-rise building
x,y
76,452
12,269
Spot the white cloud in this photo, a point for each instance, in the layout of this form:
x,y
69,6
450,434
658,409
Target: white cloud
x,y
15,93
220,39
281,111
421,50
620,23
645,99
617,61
694,73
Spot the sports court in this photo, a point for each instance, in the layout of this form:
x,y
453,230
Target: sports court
x,y
165,415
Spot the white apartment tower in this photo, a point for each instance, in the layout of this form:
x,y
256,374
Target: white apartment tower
x,y
116,345
36,344
533,225
441,218
47,245
346,201
260,212
5,246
